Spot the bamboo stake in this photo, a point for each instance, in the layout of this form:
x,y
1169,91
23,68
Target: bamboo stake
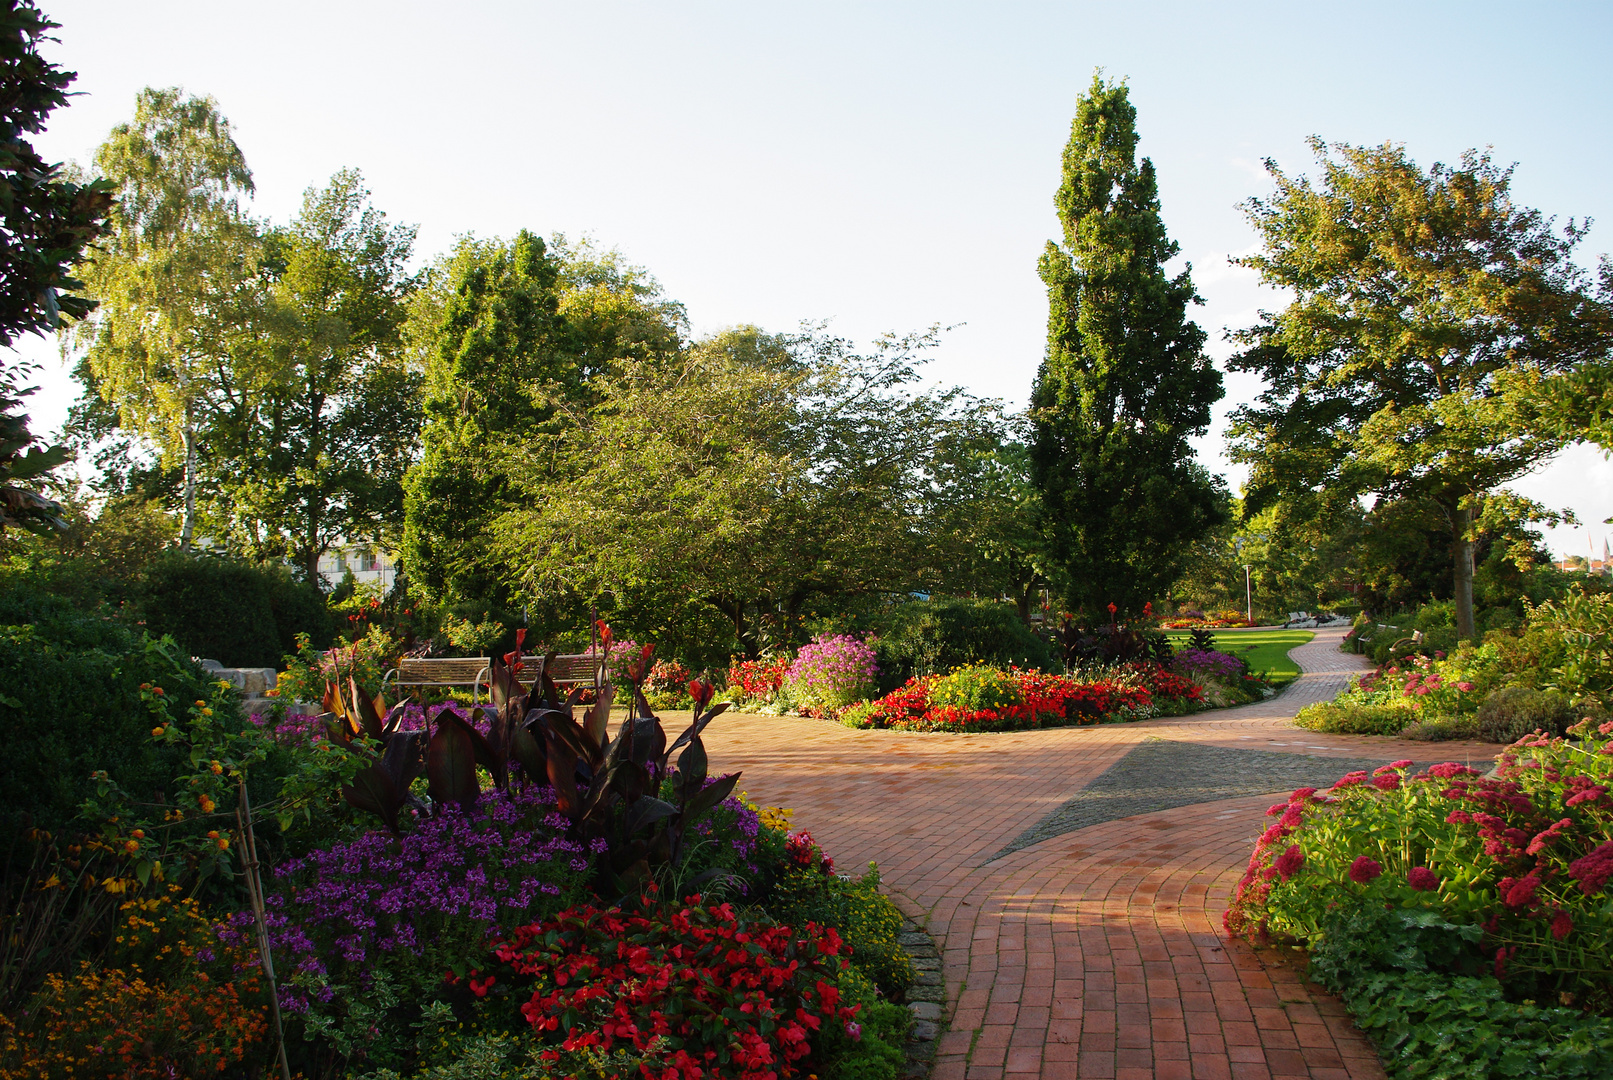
x,y
254,888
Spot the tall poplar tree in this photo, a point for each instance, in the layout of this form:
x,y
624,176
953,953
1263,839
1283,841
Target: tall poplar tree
x,y
1125,381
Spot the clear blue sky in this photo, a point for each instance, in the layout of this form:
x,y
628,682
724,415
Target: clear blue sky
x,y
881,165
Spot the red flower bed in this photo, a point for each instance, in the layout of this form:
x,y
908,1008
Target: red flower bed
x,y
758,680
1046,700
700,992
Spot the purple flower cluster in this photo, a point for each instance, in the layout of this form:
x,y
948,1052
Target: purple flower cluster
x,y
378,898
734,826
1209,663
839,669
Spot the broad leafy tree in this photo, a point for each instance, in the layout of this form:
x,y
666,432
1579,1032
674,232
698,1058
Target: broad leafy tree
x,y
511,337
754,475
1427,310
1125,381
314,432
178,278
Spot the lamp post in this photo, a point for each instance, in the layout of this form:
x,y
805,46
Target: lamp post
x,y
1248,597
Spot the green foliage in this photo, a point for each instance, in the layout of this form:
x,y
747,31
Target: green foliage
x,y
326,418
233,612
877,1054
1125,382
175,279
47,219
1352,718
1512,712
1411,984
499,371
1427,310
23,465
770,478
975,686
931,637
70,704
865,917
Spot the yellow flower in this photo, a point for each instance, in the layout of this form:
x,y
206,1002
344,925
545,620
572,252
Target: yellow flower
x,y
207,805
207,712
131,846
200,703
224,843
156,732
217,768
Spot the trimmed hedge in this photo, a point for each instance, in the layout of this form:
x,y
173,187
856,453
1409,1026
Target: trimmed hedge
x,y
237,613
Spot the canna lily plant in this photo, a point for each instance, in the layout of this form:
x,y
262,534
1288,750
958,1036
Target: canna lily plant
x,y
622,790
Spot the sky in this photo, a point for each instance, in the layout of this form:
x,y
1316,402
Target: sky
x,y
882,166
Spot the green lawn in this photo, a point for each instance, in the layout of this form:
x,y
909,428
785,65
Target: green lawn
x,y
1266,650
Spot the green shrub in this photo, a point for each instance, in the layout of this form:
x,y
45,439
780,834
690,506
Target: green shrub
x,y
1414,984
877,1055
234,612
1512,712
70,704
1463,727
1349,718
932,637
865,917
976,687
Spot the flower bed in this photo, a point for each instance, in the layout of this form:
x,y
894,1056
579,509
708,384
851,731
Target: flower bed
x,y
458,892
1556,669
1040,700
1199,620
1449,898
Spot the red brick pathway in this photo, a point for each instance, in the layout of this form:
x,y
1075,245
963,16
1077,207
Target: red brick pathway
x,y
1098,953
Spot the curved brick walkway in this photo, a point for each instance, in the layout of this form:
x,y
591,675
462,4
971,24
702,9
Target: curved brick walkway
x,y
1097,953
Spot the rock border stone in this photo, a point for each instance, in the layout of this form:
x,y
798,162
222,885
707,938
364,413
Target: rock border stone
x,y
926,999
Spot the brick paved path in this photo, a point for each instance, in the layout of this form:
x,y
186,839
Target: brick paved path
x,y
1097,953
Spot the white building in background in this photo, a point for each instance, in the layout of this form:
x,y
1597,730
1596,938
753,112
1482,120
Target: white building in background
x,y
370,563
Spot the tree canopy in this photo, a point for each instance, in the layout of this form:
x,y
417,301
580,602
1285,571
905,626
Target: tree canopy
x,y
753,475
1427,310
1125,381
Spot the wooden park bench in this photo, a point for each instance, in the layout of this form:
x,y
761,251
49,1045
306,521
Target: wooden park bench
x,y
475,672
440,673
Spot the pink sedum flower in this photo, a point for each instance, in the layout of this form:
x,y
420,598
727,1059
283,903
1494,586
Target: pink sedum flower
x,y
1364,869
1422,879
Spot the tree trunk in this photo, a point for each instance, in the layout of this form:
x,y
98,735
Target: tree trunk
x,y
187,528
1461,525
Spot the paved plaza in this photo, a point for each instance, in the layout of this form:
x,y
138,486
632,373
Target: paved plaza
x,y
1074,879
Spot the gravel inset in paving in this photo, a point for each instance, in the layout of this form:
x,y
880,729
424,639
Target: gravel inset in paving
x,y
1159,774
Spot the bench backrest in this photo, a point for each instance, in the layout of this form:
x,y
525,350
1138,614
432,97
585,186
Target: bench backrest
x,y
577,668
449,671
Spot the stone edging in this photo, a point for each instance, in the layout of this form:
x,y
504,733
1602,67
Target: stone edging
x,y
926,998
